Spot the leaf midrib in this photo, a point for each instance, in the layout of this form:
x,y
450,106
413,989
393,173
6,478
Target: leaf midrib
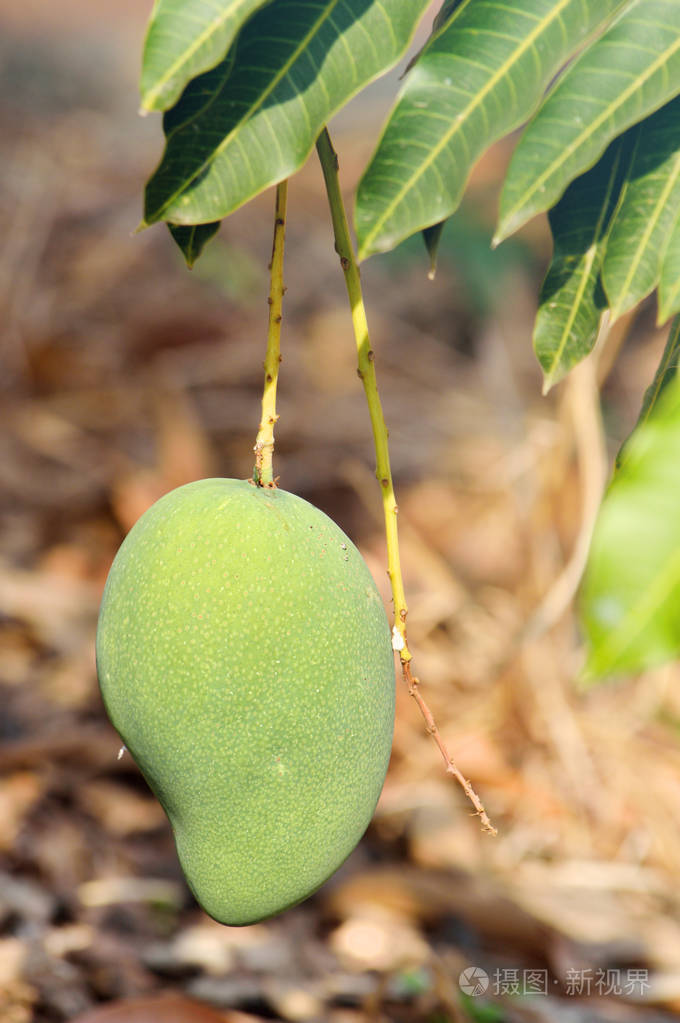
x,y
212,27
460,118
590,130
591,254
647,233
253,108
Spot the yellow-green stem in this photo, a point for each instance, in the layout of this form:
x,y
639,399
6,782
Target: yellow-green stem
x,y
263,472
366,370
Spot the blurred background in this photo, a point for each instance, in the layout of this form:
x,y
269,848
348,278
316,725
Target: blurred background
x,y
124,375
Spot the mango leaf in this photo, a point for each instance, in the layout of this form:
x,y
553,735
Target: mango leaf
x,y
192,239
571,301
666,372
432,237
253,119
669,285
649,204
445,12
480,75
631,592
630,71
185,38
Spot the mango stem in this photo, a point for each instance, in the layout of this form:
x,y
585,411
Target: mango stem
x,y
263,472
366,371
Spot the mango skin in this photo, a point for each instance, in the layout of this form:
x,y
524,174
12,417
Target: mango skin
x,y
244,657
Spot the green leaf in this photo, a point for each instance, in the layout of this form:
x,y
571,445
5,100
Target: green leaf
x,y
665,373
445,12
480,75
432,237
669,284
633,69
192,239
185,38
571,301
647,210
252,120
631,592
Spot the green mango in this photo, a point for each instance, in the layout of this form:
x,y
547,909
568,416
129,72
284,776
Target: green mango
x,y
244,657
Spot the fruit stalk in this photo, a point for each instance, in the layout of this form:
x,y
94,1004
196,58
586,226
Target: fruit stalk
x,y
366,371
263,471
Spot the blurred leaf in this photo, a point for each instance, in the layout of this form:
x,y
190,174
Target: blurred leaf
x,y
234,270
192,239
482,1012
629,72
647,210
631,593
669,284
410,983
252,120
480,275
571,300
480,75
185,38
666,371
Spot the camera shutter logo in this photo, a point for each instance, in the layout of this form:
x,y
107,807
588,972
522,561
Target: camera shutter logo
x,y
473,981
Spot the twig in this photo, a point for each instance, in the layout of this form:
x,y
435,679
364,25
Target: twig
x,y
366,371
413,683
263,472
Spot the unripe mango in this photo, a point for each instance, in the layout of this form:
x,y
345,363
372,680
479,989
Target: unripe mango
x,y
244,657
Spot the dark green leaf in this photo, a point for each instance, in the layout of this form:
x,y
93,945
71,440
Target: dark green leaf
x,y
571,301
252,120
632,70
185,38
480,75
432,237
647,210
193,238
444,13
